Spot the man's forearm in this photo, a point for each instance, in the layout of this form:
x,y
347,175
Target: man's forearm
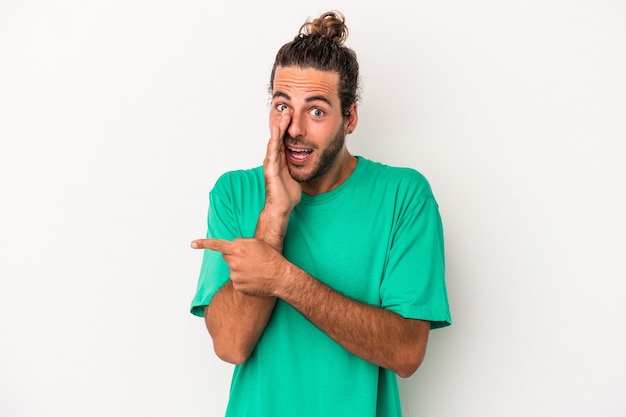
x,y
271,228
374,334
236,320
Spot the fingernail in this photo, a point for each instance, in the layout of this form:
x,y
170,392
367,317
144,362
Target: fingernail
x,y
194,245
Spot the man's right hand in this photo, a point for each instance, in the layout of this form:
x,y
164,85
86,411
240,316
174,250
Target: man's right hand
x,y
234,319
282,192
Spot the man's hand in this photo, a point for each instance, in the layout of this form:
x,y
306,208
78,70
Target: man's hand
x,y
240,310
377,335
283,193
255,267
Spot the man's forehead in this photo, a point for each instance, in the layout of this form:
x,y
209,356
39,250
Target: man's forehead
x,y
292,81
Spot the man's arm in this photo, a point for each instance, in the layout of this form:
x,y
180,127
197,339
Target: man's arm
x,y
236,320
372,333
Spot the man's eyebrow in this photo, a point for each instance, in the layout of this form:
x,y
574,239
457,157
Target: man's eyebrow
x,y
308,99
281,94
319,98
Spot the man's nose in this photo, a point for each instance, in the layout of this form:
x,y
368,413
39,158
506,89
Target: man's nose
x,y
296,126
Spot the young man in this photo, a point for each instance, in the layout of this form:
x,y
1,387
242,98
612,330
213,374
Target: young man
x,y
325,271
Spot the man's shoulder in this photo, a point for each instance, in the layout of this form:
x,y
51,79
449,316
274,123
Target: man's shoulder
x,y
241,175
400,177
240,178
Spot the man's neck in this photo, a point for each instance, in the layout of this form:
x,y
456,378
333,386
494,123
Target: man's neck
x,y
334,177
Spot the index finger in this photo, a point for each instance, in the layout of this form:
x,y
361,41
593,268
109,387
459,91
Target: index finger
x,y
219,245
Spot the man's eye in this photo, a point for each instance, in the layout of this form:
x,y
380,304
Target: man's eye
x,y
317,112
281,107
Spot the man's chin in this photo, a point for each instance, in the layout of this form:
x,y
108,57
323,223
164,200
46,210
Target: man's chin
x,y
299,174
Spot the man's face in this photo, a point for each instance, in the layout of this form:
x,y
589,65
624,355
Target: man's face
x,y
315,138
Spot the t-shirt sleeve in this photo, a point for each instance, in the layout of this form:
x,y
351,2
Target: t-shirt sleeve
x,y
413,284
214,272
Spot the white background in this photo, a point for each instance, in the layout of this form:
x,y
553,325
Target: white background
x,y
117,117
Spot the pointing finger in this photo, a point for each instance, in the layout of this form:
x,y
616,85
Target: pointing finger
x,y
218,245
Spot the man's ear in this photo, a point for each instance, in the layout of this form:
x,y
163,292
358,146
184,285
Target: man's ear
x,y
352,119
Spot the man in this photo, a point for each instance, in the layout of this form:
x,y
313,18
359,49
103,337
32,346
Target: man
x,y
325,271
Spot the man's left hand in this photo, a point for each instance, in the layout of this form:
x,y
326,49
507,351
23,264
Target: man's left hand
x,y
255,267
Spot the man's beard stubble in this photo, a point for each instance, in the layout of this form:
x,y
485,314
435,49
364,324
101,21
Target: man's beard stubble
x,y
326,160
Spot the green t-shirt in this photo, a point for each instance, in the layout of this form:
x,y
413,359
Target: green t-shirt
x,y
376,238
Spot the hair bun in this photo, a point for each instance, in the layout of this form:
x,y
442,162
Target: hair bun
x,y
330,24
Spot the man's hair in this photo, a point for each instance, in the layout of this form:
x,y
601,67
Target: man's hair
x,y
320,45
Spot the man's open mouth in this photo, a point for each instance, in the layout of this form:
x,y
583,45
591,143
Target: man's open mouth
x,y
297,153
